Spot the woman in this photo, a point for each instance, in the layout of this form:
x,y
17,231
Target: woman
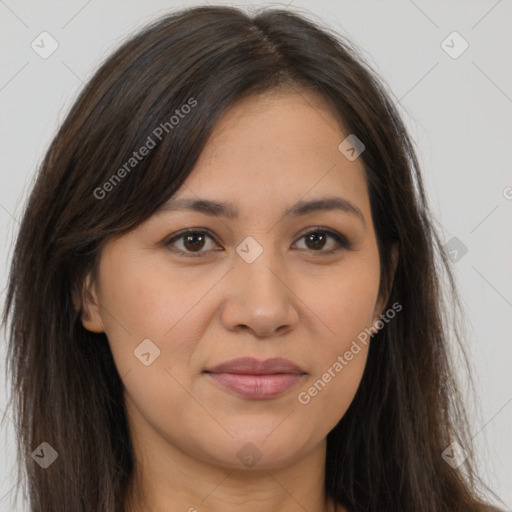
x,y
224,291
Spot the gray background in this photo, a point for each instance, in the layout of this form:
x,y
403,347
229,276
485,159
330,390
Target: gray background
x,y
458,112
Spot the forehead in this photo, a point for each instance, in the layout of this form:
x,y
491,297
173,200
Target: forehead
x,y
278,147
279,123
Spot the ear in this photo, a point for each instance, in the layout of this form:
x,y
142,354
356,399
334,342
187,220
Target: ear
x,y
382,301
87,302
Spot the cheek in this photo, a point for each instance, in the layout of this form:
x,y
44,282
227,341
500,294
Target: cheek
x,y
345,306
339,366
144,300
343,300
329,393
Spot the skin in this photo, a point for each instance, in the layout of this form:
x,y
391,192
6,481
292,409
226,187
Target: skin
x,y
265,154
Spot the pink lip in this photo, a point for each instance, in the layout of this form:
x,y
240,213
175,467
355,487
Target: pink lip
x,y
256,379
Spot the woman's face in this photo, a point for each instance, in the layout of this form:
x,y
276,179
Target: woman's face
x,y
249,284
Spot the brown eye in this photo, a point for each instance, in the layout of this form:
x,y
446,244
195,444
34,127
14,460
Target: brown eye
x,y
316,240
192,242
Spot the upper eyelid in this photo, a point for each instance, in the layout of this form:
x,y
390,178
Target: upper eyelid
x,y
180,234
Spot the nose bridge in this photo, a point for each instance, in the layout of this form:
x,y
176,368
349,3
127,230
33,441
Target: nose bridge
x,y
258,265
261,300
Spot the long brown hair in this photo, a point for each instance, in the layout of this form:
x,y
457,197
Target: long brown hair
x,y
386,451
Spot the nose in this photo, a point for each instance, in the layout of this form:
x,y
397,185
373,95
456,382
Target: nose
x,y
260,297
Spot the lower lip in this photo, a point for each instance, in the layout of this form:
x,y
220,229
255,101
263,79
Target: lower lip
x,y
257,386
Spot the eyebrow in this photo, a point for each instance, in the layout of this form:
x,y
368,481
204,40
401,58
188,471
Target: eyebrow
x,y
230,210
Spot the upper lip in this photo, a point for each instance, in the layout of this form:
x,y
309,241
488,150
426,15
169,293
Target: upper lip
x,y
252,366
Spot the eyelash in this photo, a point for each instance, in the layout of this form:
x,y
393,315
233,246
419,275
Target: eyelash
x,y
343,242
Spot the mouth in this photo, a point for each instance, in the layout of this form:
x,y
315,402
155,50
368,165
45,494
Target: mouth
x,y
254,379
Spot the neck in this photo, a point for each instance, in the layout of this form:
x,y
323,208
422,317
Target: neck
x,y
168,482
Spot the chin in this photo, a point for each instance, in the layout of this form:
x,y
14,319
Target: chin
x,y
255,452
